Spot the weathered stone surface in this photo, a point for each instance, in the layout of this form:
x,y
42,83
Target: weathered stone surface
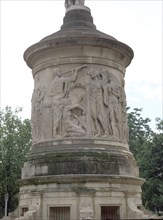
x,y
81,162
82,100
87,198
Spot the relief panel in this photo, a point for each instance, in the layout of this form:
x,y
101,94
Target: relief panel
x,y
84,101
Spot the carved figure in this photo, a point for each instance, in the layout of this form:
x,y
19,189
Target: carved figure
x,y
69,3
59,91
125,131
82,120
97,107
59,87
112,97
46,125
57,116
37,99
74,125
114,107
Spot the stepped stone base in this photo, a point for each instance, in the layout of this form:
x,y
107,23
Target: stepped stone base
x,y
68,157
85,195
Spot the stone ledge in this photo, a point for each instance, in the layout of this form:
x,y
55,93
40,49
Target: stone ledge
x,y
84,141
81,145
76,60
63,179
74,41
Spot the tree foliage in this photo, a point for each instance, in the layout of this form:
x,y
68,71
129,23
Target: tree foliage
x,y
15,142
153,171
147,147
140,136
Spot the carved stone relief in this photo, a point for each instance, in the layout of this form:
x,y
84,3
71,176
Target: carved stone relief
x,y
125,130
96,100
36,115
82,102
111,101
74,121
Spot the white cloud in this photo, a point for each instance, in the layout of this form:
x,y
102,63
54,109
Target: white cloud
x,y
150,92
146,91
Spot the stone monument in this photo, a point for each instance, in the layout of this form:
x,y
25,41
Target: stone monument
x,y
80,166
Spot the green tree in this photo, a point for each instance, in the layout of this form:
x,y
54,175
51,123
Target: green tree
x,y
147,147
15,142
153,172
140,136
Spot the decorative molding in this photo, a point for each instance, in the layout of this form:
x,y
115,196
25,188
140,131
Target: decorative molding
x,y
86,60
59,41
86,178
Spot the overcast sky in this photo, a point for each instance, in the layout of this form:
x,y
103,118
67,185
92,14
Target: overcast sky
x,y
135,23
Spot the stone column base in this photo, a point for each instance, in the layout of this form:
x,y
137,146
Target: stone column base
x,y
82,196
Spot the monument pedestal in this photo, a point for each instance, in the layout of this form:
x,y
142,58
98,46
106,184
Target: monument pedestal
x,y
81,179
83,197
